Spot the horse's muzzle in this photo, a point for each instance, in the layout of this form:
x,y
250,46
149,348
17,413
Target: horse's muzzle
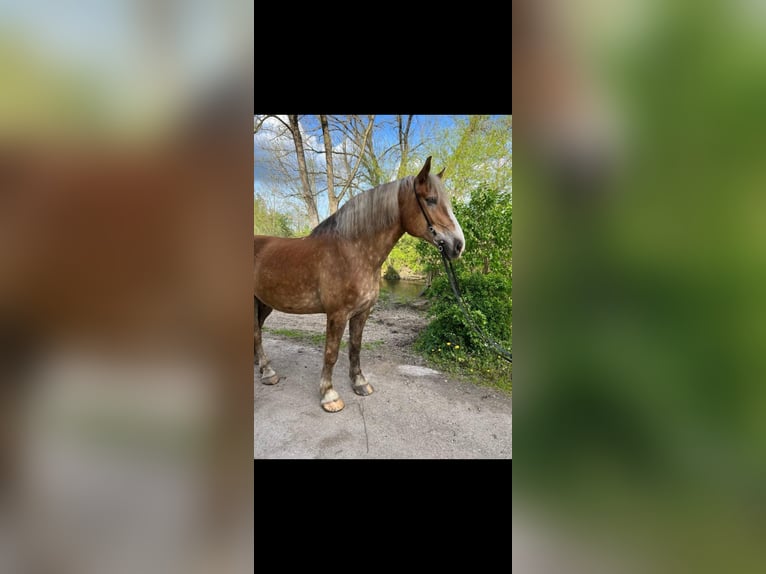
x,y
452,244
453,249
457,249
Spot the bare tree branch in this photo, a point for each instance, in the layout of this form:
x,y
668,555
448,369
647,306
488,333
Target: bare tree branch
x,y
258,123
358,159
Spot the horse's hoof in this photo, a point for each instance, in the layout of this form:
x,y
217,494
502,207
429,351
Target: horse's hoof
x,y
363,390
334,406
272,380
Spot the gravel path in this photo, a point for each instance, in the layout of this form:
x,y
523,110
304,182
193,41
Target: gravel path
x,y
415,412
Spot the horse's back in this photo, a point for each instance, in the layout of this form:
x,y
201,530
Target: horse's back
x,y
262,241
268,249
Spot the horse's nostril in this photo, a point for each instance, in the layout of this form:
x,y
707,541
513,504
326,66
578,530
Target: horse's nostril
x,y
458,246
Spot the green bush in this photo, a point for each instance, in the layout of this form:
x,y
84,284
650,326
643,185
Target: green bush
x,y
404,259
488,298
485,277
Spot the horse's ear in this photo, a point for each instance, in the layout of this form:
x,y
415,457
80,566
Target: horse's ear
x,y
440,175
425,171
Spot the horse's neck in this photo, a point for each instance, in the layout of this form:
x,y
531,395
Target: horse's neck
x,y
375,249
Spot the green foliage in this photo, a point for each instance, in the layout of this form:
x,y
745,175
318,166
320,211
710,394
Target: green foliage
x,y
485,277
487,222
453,346
488,298
405,258
476,151
302,231
268,221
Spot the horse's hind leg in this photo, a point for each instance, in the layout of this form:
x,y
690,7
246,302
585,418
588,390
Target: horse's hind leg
x,y
336,324
356,326
268,376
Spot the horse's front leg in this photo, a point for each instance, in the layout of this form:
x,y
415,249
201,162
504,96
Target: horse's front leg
x,y
356,326
336,324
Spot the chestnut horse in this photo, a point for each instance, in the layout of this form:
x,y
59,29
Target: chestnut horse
x,y
336,269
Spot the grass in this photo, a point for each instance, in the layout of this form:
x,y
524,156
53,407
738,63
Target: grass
x,y
485,370
495,373
317,339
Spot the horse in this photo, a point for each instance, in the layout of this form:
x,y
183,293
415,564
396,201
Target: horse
x,y
336,269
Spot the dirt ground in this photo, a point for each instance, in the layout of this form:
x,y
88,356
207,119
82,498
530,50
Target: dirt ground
x,y
415,411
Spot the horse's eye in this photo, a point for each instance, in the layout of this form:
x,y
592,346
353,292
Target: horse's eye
x,y
431,200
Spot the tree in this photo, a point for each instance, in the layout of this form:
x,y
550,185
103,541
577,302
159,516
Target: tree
x,y
359,142
487,222
303,159
331,197
477,151
333,157
307,193
283,141
268,221
404,144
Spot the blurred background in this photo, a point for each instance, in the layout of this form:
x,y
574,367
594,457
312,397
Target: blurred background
x,y
125,294
639,392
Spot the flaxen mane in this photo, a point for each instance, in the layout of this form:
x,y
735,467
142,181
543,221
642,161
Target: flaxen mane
x,y
368,212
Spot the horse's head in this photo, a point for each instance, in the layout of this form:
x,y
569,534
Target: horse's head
x,y
429,208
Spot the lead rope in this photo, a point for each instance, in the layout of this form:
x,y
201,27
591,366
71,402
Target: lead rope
x,y
486,339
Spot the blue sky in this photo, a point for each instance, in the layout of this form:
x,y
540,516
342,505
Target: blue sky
x,y
387,134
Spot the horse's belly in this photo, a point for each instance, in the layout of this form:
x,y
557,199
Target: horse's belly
x,y
285,292
294,305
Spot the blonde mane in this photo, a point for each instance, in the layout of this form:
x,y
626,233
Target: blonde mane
x,y
368,212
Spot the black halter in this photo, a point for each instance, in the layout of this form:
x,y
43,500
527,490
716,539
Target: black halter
x,y
439,244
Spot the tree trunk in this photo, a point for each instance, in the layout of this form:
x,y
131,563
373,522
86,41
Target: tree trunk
x,y
404,145
332,199
306,193
375,172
